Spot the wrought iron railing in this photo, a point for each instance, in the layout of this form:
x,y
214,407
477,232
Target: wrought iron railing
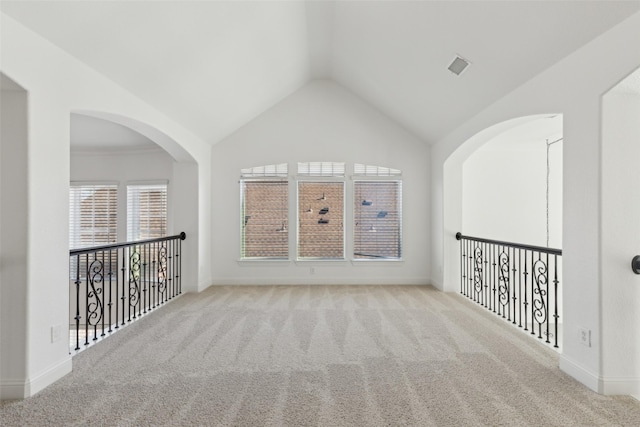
x,y
520,283
113,285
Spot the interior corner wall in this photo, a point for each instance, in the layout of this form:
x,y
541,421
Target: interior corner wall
x,y
13,244
321,122
620,242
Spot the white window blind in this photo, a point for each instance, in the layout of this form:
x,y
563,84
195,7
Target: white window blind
x,y
265,212
370,170
378,220
146,211
321,220
92,215
321,168
279,170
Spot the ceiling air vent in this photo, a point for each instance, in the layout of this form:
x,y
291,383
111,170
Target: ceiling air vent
x,y
458,65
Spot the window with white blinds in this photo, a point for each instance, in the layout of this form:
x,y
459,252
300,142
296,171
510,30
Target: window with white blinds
x,y
377,219
92,215
146,211
320,220
265,213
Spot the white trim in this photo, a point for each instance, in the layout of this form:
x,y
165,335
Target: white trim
x,y
51,375
609,386
13,389
356,261
620,386
148,182
265,260
21,389
319,279
579,373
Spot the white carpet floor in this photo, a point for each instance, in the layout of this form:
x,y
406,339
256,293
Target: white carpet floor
x,y
322,356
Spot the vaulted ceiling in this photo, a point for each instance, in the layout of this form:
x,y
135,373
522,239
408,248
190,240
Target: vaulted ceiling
x,y
214,65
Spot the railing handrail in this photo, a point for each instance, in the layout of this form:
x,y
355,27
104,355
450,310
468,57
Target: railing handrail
x,y
112,246
542,249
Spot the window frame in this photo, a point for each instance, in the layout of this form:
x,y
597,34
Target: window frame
x,y
379,178
76,227
280,178
321,179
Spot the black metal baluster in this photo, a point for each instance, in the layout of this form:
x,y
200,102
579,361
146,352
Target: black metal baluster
x,y
483,275
471,263
508,284
152,274
143,275
462,272
513,284
111,287
179,277
547,295
526,301
126,253
468,264
169,271
102,305
520,287
555,297
533,324
77,318
86,304
494,289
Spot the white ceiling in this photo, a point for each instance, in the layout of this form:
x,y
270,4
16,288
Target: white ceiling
x,y
215,65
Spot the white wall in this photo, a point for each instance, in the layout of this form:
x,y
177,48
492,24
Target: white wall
x,y
576,95
504,193
320,122
621,237
13,241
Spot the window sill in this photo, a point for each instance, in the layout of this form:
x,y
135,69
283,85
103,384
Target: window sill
x,y
263,260
355,261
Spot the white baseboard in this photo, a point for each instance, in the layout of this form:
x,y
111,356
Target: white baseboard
x,y
629,386
582,375
620,386
50,376
21,389
13,389
269,281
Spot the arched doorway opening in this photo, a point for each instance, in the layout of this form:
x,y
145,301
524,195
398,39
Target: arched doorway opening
x,y
125,187
503,200
128,151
